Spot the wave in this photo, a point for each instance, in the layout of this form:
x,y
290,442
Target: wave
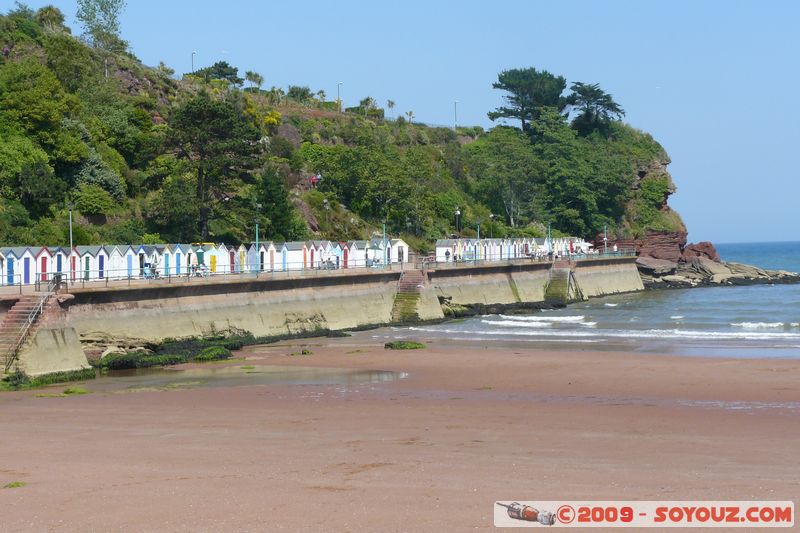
x,y
639,334
611,305
676,317
517,323
537,318
757,325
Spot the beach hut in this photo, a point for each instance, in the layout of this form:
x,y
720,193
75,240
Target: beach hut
x,y
242,252
43,261
296,255
213,259
178,259
400,251
233,259
116,262
337,254
26,261
252,259
445,250
2,266
167,260
270,255
86,262
358,253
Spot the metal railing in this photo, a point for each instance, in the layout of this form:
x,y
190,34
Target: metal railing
x,y
27,326
494,259
204,273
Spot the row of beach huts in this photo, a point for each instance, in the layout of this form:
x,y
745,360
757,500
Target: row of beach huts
x,y
24,265
452,250
28,265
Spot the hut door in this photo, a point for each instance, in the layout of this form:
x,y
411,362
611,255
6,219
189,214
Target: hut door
x,y
213,263
59,264
201,257
101,263
232,256
260,261
178,264
130,265
272,260
346,252
312,258
26,270
86,268
44,268
141,265
166,264
73,266
10,271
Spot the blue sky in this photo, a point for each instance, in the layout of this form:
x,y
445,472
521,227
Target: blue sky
x,y
714,82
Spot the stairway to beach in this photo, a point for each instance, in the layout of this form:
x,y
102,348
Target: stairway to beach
x,y
13,322
409,288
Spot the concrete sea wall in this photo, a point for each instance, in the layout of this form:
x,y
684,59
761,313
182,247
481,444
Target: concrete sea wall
x,y
516,283
263,307
602,277
272,307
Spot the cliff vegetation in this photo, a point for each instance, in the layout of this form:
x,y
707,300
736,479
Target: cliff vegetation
x,y
145,155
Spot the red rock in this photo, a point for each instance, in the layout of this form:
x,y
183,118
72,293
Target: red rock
x,y
667,245
700,249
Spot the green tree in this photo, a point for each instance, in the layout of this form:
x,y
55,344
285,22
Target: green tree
x,y
32,99
256,79
505,172
100,19
91,199
274,200
299,93
171,211
596,108
51,19
219,144
221,70
390,105
529,90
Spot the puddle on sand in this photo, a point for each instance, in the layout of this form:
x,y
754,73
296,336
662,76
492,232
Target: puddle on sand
x,y
231,376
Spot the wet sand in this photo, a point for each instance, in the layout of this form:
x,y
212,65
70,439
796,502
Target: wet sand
x,y
431,452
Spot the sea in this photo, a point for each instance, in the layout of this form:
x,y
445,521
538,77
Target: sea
x,y
757,321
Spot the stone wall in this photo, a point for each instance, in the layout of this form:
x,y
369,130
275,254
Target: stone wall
x,y
604,277
264,308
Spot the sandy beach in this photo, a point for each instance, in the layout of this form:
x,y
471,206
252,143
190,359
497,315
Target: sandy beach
x,y
467,425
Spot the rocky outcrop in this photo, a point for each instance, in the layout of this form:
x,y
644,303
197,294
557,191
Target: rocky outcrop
x,y
700,249
663,245
703,271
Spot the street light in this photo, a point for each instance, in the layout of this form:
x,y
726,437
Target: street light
x,y
193,53
491,226
338,96
455,115
458,218
258,251
70,206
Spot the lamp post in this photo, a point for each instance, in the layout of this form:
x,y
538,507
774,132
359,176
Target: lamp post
x,y
193,53
479,240
385,249
338,96
258,250
491,226
455,115
605,239
458,216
